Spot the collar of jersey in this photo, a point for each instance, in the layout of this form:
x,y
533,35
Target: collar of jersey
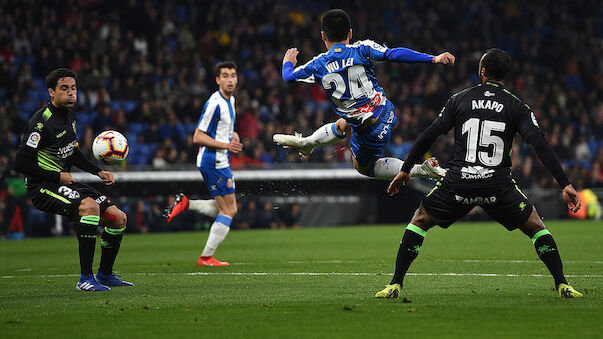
x,y
223,96
493,83
61,112
337,45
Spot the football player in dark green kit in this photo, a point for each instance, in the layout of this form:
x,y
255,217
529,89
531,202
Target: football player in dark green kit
x,y
45,155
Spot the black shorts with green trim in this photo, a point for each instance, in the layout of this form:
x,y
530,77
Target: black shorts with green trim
x,y
65,199
505,203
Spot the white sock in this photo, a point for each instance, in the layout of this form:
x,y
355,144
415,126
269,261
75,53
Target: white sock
x,y
218,231
325,135
388,168
205,207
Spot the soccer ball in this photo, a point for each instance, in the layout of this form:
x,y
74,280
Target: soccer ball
x,y
110,147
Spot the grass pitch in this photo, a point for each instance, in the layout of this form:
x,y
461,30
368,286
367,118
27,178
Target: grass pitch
x,y
473,280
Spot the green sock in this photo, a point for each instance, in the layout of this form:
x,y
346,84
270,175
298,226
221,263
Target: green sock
x,y
408,251
86,229
110,243
546,248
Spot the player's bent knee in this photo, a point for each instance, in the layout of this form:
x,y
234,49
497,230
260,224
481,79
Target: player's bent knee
x,y
89,206
342,126
114,219
421,219
362,170
121,220
232,211
533,225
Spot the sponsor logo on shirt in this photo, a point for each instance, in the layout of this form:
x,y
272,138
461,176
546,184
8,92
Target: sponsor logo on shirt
x,y
66,151
476,172
489,94
475,200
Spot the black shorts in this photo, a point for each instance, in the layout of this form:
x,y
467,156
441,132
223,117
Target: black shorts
x,y
506,204
65,199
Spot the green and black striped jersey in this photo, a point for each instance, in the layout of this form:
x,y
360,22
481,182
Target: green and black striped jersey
x,y
49,146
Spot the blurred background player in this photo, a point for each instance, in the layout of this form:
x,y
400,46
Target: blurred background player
x,y
45,155
347,73
216,137
485,118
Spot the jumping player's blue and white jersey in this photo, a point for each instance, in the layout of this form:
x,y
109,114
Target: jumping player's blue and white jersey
x,y
347,73
217,120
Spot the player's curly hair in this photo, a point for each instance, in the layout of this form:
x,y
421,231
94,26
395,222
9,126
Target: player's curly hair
x,y
53,77
497,63
336,24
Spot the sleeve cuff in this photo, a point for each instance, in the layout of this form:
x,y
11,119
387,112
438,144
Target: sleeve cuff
x,y
563,181
406,166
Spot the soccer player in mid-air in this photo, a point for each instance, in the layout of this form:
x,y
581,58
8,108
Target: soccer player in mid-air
x,y
347,73
485,118
45,155
216,136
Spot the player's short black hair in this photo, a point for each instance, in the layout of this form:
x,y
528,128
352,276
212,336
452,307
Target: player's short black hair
x,y
336,24
53,77
497,63
225,64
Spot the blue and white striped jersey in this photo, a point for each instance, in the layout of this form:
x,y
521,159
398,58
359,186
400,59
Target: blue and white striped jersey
x,y
347,73
217,120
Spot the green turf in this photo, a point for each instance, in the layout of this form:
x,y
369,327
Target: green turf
x,y
167,302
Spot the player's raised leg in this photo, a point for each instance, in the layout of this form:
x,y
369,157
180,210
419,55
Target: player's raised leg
x,y
330,133
227,207
181,203
368,143
114,221
387,168
547,251
86,228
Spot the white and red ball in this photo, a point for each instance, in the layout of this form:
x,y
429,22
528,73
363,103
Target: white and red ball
x,y
110,147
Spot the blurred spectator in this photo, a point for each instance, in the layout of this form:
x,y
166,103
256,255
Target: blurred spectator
x,y
268,217
140,218
150,83
248,216
145,69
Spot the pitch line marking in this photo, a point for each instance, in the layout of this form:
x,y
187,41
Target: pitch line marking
x,y
519,261
450,274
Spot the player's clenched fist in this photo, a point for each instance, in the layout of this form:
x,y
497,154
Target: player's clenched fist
x,y
444,58
234,146
291,56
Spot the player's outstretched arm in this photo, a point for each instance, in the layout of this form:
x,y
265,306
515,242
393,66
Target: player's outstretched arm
x,y
291,56
445,58
303,73
402,54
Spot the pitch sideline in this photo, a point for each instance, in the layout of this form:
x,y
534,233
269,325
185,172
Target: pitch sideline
x,y
446,274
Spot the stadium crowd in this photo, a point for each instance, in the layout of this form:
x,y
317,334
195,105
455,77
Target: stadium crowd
x,y
145,68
